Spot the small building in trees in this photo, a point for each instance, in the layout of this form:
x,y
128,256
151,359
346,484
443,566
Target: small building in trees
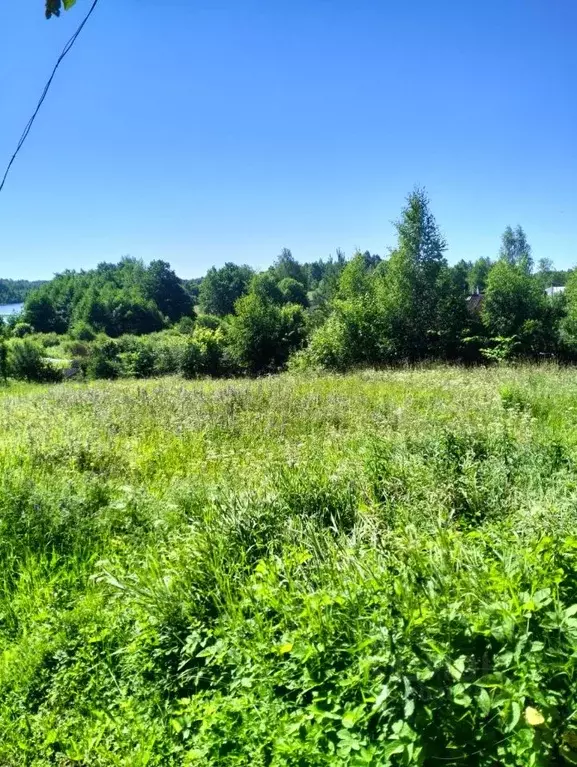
x,y
475,302
555,290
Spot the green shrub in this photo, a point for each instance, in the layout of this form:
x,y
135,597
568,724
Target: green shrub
x,y
140,362
48,340
502,349
103,360
3,360
213,354
293,292
168,354
185,325
25,362
190,360
262,335
210,321
328,348
82,331
77,348
22,329
205,354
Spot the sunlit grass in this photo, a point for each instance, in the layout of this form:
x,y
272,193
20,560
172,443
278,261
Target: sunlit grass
x,y
341,570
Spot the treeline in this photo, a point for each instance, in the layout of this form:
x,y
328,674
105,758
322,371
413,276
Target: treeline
x,y
132,320
16,291
113,298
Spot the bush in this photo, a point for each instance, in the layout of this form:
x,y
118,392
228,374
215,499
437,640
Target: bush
x,y
204,354
103,361
48,340
502,349
262,334
185,325
22,329
211,344
3,360
293,292
25,362
353,334
138,363
328,348
82,331
168,352
157,354
77,348
210,321
190,361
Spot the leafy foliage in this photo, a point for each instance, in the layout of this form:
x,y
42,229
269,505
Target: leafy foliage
x,y
287,267
262,334
163,287
53,7
22,329
221,288
16,291
3,360
336,314
26,362
514,303
375,569
515,249
115,299
293,292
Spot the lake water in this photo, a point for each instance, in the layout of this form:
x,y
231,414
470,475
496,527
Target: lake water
x,y
7,309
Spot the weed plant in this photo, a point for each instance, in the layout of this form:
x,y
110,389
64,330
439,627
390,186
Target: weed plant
x,y
369,569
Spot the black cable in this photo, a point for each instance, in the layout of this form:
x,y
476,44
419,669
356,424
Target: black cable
x,y
26,130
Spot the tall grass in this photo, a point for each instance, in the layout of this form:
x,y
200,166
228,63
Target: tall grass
x,y
371,569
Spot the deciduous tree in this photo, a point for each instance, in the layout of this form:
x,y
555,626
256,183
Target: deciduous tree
x,y
221,288
515,249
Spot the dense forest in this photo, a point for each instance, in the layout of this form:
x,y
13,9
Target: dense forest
x,y
129,319
16,291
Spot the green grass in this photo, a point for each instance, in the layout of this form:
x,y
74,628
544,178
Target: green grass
x,y
13,388
371,569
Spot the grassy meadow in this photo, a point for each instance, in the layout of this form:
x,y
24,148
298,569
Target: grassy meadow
x,y
369,569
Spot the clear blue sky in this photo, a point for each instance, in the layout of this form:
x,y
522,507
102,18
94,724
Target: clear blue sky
x,y
212,131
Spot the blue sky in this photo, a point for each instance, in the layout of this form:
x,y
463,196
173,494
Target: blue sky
x,y
225,130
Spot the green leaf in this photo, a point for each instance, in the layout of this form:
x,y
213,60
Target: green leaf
x,y
490,680
460,696
393,748
381,697
484,701
514,715
456,669
349,720
542,597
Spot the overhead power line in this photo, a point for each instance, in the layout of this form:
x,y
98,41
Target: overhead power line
x,y
30,122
